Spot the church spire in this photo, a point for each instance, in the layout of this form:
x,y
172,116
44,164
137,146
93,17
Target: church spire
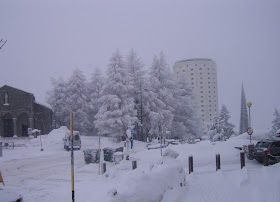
x,y
244,123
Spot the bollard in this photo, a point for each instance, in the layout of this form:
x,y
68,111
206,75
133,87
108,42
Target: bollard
x,y
218,162
103,168
265,157
134,165
190,164
251,148
242,159
0,149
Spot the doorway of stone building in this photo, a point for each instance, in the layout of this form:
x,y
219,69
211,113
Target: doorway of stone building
x,y
8,125
24,130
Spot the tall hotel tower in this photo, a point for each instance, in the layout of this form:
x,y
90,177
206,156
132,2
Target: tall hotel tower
x,y
201,73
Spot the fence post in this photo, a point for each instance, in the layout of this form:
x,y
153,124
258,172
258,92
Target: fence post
x,y
242,159
251,148
190,164
134,165
265,157
103,168
218,162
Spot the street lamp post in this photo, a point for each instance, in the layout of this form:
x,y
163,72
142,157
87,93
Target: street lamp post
x,y
249,104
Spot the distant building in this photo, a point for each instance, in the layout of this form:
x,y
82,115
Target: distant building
x,y
244,122
202,76
19,111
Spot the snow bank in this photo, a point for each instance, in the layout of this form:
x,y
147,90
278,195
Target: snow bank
x,y
151,184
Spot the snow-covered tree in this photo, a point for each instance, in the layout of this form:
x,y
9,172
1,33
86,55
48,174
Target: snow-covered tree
x,y
186,122
57,99
275,123
77,100
226,126
160,95
137,74
117,111
94,86
221,129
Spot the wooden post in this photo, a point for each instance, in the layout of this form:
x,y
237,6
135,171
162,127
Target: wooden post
x,y
190,164
251,148
1,179
134,165
265,157
218,162
72,156
103,168
242,159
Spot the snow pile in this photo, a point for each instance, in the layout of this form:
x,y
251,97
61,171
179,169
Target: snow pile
x,y
54,140
150,184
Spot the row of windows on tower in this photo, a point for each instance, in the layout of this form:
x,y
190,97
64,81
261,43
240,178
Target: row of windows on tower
x,y
208,91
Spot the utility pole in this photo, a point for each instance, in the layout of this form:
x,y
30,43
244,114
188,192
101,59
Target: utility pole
x,y
72,156
2,43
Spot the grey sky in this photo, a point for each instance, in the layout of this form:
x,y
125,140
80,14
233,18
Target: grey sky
x,y
51,38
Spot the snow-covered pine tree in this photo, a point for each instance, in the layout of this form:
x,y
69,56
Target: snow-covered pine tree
x,y
224,124
117,111
215,132
186,123
160,95
135,69
221,129
77,100
275,123
95,86
57,99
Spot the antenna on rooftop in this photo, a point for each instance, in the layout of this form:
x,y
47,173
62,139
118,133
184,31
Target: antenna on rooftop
x,y
2,43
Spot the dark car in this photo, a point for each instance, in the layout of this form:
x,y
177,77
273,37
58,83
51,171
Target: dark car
x,y
273,148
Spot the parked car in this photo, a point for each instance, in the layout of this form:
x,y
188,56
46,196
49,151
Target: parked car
x,y
77,143
9,196
273,148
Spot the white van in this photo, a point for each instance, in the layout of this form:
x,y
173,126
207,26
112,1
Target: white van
x,y
77,143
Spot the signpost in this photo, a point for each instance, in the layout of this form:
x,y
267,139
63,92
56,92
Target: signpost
x,y
250,132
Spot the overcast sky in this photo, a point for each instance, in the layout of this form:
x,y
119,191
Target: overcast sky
x,y
51,38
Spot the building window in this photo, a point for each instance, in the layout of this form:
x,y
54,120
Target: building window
x,y
192,83
202,110
191,73
201,82
192,78
200,73
195,64
201,87
200,68
201,100
202,105
183,70
201,78
191,69
201,96
208,77
177,72
187,65
6,99
201,91
210,119
204,66
209,110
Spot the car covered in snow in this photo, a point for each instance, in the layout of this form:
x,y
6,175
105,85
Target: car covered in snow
x,y
77,143
273,148
9,196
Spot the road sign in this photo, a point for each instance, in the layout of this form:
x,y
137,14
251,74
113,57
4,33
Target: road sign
x,y
250,131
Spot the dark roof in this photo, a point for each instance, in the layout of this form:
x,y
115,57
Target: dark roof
x,y
195,59
6,86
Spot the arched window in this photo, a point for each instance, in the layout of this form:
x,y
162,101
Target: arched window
x,y
6,99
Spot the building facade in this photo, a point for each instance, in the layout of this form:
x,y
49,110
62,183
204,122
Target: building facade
x,y
19,111
201,73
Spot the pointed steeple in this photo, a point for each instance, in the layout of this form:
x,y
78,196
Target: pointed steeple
x,y
244,123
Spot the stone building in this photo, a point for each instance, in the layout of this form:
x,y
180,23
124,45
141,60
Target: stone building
x,y
19,111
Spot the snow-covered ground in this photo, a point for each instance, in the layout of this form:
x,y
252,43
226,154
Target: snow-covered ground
x,y
46,175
